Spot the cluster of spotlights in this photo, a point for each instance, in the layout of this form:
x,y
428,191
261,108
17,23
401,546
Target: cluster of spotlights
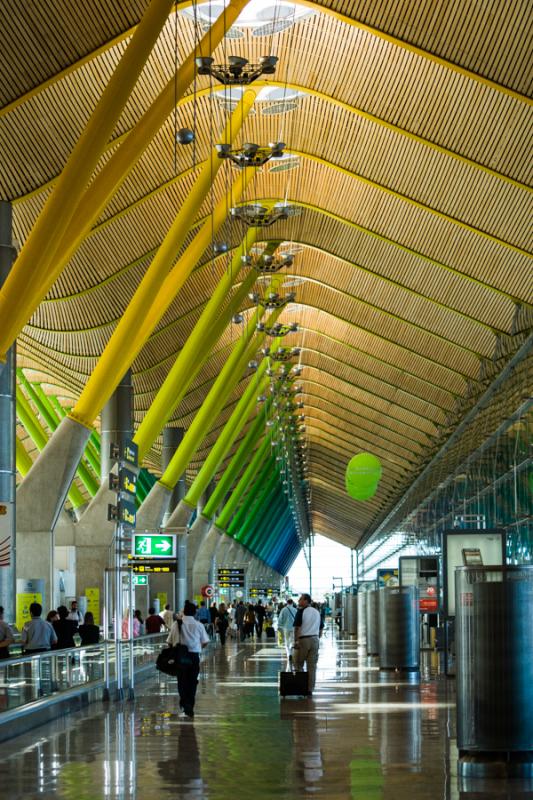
x,y
250,155
238,71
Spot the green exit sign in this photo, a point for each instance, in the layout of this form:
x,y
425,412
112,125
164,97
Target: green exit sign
x,y
149,545
140,580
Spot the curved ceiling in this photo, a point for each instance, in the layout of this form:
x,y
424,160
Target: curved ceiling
x,y
412,133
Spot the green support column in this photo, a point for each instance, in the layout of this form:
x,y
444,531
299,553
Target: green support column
x,y
92,459
227,379
24,460
266,519
252,531
244,450
244,483
38,436
268,539
47,412
247,403
264,484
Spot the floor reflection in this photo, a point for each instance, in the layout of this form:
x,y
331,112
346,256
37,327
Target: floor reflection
x,y
365,735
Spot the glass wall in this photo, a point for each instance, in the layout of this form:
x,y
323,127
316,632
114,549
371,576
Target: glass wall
x,y
483,477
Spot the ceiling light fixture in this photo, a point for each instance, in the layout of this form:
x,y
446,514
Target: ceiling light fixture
x,y
238,71
250,154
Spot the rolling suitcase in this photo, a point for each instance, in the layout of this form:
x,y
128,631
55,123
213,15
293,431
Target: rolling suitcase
x,y
293,683
270,632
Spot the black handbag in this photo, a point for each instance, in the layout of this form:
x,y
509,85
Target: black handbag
x,y
173,659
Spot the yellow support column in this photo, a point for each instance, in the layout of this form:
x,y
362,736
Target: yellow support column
x,y
214,402
121,163
35,266
125,341
196,349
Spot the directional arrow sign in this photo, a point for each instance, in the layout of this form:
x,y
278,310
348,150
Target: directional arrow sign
x,y
153,545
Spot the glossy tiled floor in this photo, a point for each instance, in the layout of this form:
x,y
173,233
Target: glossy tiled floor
x,y
364,736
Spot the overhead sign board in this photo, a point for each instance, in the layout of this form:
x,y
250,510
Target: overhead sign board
x,y
151,546
230,578
153,567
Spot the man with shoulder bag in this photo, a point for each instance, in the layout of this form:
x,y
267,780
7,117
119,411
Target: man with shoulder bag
x,y
187,638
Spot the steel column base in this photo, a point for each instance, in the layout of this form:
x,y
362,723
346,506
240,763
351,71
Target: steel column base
x,y
495,765
411,670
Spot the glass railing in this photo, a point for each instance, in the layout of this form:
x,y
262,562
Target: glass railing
x,y
26,679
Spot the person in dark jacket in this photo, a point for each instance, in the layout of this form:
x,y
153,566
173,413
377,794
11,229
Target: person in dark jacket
x,y
89,632
222,622
65,629
153,623
260,613
240,613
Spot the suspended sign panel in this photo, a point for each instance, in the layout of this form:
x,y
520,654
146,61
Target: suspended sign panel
x,y
146,545
231,578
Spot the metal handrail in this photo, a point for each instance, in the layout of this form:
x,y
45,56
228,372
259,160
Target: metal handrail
x,y
11,661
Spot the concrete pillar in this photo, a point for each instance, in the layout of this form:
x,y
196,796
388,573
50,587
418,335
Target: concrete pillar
x,y
93,533
7,439
172,438
155,512
116,422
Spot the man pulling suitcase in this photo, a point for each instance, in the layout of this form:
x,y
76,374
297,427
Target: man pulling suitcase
x,y
308,628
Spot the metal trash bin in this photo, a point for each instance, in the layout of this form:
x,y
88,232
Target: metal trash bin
x,y
494,643
372,622
399,629
350,625
361,616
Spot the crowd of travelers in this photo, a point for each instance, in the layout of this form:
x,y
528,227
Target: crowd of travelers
x,y
299,628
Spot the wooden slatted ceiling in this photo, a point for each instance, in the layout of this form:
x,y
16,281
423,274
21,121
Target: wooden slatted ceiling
x,y
388,79
487,39
398,313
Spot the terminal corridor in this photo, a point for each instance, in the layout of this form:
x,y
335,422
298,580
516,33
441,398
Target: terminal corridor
x,y
366,735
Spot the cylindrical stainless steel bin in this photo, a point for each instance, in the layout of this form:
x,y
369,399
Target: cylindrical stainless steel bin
x,y
494,645
350,626
372,622
361,616
343,613
399,629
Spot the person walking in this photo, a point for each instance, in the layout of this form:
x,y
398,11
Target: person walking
x,y
65,628
89,632
222,623
307,631
138,630
37,635
167,616
240,613
6,636
249,622
286,626
260,613
191,633
153,623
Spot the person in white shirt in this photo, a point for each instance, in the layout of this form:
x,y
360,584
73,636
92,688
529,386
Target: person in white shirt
x,y
192,634
167,616
75,614
307,631
286,619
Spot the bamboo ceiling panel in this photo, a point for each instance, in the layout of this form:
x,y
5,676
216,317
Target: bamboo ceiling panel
x,y
414,281
488,40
